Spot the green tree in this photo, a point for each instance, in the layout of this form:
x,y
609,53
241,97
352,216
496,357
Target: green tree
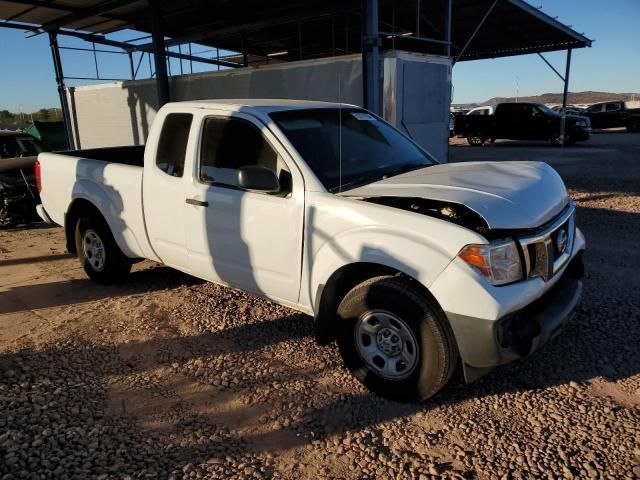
x,y
43,114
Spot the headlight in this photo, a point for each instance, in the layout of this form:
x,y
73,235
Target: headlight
x,y
499,261
581,123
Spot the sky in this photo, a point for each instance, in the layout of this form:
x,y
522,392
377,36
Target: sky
x,y
27,80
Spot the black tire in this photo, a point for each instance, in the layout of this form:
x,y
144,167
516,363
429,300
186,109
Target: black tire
x,y
436,351
476,139
6,220
115,266
569,140
633,126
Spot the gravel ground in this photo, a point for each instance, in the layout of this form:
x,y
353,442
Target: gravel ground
x,y
170,377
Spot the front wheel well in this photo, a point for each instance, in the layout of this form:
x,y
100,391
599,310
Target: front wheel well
x,y
76,210
330,294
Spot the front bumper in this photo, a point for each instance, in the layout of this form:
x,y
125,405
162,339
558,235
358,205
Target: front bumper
x,y
582,134
496,325
488,344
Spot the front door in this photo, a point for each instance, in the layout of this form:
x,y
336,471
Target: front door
x,y
247,239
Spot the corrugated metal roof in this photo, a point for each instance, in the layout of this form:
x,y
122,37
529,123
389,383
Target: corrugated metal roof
x,y
311,29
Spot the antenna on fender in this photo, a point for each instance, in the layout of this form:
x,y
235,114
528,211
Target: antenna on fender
x,y
340,129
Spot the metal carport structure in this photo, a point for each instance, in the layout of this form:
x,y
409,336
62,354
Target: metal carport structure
x,y
301,29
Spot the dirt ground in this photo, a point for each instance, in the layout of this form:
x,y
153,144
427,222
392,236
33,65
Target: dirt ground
x,y
170,377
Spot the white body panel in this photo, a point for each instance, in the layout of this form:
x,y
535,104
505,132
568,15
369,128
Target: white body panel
x,y
341,231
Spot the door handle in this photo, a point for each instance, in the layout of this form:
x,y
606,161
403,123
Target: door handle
x,y
197,203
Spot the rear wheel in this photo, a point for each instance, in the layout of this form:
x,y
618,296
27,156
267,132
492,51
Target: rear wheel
x,y
476,139
395,339
569,140
6,220
633,125
100,256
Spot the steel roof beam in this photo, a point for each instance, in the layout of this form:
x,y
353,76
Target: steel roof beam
x,y
208,31
37,3
88,37
475,32
81,14
551,21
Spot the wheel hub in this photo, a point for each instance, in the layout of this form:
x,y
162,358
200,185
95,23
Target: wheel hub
x,y
93,249
387,344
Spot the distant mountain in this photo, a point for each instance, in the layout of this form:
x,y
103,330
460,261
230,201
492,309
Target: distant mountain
x,y
573,98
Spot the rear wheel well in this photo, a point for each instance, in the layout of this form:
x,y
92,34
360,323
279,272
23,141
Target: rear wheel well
x,y
338,285
76,210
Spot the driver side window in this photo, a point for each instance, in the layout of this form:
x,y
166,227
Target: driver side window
x,y
231,143
595,109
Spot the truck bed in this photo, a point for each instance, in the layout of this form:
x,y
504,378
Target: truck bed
x,y
130,155
111,179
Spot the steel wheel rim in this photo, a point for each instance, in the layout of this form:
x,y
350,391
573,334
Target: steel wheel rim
x,y
93,250
386,344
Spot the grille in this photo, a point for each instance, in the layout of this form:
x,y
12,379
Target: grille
x,y
545,253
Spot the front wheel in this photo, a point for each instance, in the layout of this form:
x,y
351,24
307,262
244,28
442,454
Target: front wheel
x,y
395,339
100,256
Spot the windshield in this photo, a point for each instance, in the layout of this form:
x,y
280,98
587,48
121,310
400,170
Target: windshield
x,y
370,149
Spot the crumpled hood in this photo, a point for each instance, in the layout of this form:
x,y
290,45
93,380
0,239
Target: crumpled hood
x,y
508,195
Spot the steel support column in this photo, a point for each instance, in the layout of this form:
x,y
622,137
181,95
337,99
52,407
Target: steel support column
x,y
160,58
565,94
64,105
447,28
372,91
132,68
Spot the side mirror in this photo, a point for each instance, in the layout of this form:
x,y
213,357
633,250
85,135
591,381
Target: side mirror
x,y
258,179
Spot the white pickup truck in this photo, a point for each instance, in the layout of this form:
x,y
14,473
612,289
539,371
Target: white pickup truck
x,y
412,266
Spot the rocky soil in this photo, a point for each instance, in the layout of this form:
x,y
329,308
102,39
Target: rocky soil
x,y
168,377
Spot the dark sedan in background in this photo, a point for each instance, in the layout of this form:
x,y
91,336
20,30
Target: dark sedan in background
x,y
18,191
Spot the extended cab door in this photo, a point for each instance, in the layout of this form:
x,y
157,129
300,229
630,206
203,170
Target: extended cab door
x,y
597,115
164,188
247,239
613,115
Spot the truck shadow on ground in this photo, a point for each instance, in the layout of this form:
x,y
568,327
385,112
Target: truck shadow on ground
x,y
19,298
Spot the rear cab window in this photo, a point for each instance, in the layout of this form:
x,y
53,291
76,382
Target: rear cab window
x,y
172,146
